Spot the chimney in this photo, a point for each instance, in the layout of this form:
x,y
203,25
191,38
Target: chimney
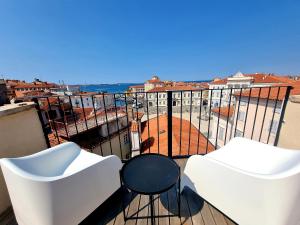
x,y
135,138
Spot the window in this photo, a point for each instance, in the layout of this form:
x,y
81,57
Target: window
x,y
238,133
274,126
126,139
198,94
150,104
159,95
164,95
241,116
243,103
278,109
221,133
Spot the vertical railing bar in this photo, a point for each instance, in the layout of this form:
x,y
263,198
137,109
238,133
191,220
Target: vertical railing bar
x,y
257,105
157,119
169,95
149,141
273,114
228,114
180,122
55,129
107,123
207,139
117,119
190,129
246,116
72,111
95,113
82,105
128,129
238,110
64,122
199,130
220,103
263,121
285,101
38,108
137,119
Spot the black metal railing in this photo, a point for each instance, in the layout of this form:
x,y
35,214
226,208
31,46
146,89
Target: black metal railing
x,y
177,123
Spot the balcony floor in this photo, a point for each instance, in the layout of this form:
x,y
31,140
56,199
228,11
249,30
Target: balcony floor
x,y
193,209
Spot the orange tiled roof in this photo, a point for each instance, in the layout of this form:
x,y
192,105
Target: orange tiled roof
x,y
264,93
268,78
296,88
163,137
35,85
219,81
224,111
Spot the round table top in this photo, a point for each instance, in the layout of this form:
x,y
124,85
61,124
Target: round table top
x,y
150,174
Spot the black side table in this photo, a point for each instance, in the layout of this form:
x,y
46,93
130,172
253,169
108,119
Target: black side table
x,y
150,174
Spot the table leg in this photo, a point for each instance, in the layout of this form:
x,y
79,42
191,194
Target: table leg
x,y
152,209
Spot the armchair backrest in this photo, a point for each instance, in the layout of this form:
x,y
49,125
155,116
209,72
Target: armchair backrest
x,y
47,163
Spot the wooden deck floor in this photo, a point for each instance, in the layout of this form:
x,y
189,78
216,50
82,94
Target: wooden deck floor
x,y
194,210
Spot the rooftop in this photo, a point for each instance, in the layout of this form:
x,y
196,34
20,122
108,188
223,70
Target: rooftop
x,y
224,111
190,144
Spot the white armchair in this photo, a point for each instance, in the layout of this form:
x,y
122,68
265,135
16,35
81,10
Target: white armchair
x,y
59,186
250,182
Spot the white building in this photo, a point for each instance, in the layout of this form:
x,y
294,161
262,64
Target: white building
x,y
86,101
190,96
239,81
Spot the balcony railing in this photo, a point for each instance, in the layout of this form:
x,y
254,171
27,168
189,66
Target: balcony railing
x,y
175,123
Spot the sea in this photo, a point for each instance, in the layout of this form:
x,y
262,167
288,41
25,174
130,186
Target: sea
x,y
114,88
107,88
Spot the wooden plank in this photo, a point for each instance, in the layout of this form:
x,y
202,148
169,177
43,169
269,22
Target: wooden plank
x,y
144,210
207,215
229,221
218,216
195,204
173,206
181,163
132,209
184,210
163,208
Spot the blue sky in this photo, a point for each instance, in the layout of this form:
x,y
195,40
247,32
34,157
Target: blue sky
x,y
112,41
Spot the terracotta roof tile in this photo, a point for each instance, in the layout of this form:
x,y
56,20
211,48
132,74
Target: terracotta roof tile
x,y
163,137
219,81
264,93
268,78
224,111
